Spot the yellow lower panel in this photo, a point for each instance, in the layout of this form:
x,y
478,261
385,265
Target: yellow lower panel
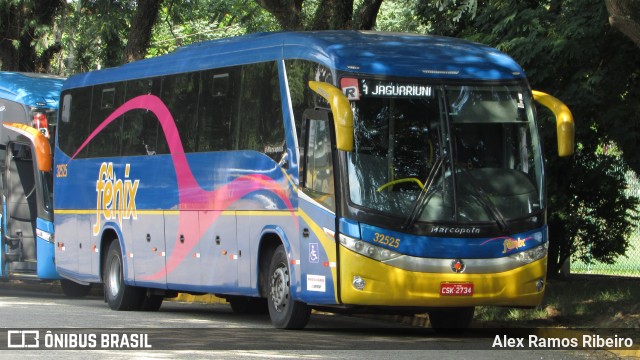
x,y
391,286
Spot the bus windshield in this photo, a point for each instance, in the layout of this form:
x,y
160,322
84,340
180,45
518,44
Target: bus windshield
x,y
445,153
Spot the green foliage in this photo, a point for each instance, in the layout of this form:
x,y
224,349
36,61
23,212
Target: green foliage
x,y
569,50
26,39
182,23
399,16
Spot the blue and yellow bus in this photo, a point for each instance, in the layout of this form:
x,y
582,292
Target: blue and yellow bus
x,y
28,112
343,170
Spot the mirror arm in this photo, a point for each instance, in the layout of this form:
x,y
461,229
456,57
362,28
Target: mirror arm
x,y
342,114
565,126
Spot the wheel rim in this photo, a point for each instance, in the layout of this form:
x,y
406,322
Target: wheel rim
x,y
280,287
114,276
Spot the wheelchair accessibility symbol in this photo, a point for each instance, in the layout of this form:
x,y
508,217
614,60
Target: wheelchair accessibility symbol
x,y
314,254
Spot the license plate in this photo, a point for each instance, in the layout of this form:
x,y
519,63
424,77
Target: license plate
x,y
456,289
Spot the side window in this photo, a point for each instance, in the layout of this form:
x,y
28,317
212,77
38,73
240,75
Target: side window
x,y
180,93
261,127
74,127
107,99
143,134
216,109
299,73
318,179
11,111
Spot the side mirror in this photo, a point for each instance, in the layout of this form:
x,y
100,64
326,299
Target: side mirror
x,y
342,114
564,122
40,144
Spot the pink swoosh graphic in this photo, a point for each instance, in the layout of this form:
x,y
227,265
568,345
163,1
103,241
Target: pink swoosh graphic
x,y
191,195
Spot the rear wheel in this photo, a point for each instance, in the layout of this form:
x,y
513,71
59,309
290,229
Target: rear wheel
x,y
118,295
451,320
73,289
285,312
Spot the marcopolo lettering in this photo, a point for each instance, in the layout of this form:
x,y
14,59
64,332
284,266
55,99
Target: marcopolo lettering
x,y
454,230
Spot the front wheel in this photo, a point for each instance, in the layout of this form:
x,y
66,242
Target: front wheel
x,y
285,312
118,295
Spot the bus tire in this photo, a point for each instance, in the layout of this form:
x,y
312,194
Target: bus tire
x,y
451,320
118,295
73,289
285,312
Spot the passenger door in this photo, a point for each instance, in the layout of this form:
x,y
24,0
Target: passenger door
x,y
318,211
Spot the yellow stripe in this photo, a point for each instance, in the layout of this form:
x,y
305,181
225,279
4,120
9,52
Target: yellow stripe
x,y
290,180
74,212
177,212
266,213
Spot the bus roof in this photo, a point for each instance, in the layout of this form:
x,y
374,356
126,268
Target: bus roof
x,y
374,53
31,89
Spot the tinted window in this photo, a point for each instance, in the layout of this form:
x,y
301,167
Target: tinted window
x,y
142,133
299,73
217,108
181,94
11,112
74,129
107,142
236,108
260,121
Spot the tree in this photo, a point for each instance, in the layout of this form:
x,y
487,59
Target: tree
x,y
326,14
182,23
568,49
624,15
140,30
24,28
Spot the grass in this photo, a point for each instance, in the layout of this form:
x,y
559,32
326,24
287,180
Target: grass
x,y
577,301
628,265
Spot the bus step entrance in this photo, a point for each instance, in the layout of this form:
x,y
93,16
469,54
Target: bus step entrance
x,y
22,268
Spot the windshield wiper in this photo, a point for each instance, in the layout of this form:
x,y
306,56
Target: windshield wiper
x,y
425,194
485,201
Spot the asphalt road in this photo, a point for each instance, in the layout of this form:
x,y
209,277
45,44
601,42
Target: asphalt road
x,y
188,330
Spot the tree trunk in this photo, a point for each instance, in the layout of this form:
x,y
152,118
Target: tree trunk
x,y
329,15
624,15
366,15
287,12
140,31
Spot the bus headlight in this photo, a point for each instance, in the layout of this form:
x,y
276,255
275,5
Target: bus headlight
x,y
531,255
367,249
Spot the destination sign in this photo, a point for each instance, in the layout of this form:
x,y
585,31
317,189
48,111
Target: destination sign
x,y
355,88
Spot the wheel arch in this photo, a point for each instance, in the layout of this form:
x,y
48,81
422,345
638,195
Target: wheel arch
x,y
270,239
110,234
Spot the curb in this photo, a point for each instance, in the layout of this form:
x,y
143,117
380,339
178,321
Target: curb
x,y
206,299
